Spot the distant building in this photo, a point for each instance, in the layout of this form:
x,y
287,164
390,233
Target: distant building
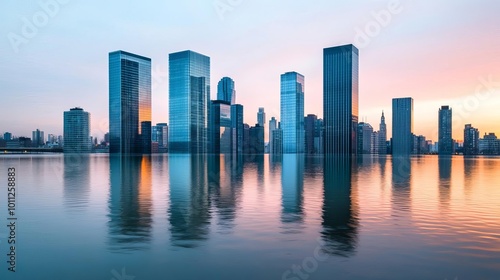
x,y
256,139
7,136
318,137
77,131
261,117
365,133
310,125
273,124
38,138
246,139
219,131
489,145
402,126
237,129
226,91
277,141
381,140
445,131
471,140
340,99
292,112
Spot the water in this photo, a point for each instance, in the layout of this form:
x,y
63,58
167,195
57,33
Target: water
x,y
294,217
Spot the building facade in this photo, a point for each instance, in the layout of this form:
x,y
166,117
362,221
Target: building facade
x,y
292,112
226,91
219,131
471,140
402,126
37,138
340,99
237,129
129,103
77,131
310,122
445,131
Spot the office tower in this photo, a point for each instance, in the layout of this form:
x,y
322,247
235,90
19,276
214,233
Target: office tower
x,y
277,141
7,136
237,129
189,93
162,136
402,126
129,103
106,137
226,91
246,139
471,140
51,138
292,112
445,132
76,131
310,133
261,117
256,134
318,137
38,138
489,145
219,130
340,99
365,134
382,137
273,124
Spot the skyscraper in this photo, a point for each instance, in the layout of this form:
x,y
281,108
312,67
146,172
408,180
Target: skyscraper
x,y
292,112
273,124
237,129
256,134
226,91
38,138
402,126
129,103
261,117
445,131
471,140
310,133
76,131
189,95
382,137
340,99
7,136
365,134
219,127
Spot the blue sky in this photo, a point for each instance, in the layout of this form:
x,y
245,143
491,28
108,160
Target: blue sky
x,y
438,52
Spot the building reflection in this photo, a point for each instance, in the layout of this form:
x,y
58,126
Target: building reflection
x,y
130,202
470,171
401,184
444,163
340,216
76,181
225,176
189,211
292,188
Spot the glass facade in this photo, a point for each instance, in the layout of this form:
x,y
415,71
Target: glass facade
x,y
76,131
292,112
340,99
237,129
402,126
445,131
129,103
220,128
189,101
226,91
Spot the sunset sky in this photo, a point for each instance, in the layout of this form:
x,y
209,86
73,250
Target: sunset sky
x,y
438,52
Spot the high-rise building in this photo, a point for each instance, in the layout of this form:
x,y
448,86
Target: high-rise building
x,y
256,134
382,137
292,112
261,117
340,99
38,138
489,145
471,140
129,103
226,91
77,131
318,137
273,124
7,136
189,95
365,133
445,131
276,141
310,133
219,131
162,136
237,129
246,139
402,126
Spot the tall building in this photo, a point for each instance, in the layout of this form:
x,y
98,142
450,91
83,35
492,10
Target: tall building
x,y
292,112
246,139
365,133
226,91
162,129
340,99
402,126
129,103
471,140
7,136
310,123
219,131
273,124
77,131
237,129
445,131
382,137
489,145
276,141
318,137
189,95
256,134
38,138
261,117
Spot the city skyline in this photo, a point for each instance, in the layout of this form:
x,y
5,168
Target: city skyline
x,y
436,76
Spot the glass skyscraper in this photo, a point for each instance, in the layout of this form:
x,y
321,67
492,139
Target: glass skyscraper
x,y
402,126
226,91
292,112
237,129
76,131
189,101
340,99
445,132
219,135
129,103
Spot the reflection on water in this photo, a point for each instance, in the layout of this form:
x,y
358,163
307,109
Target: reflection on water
x,y
340,218
401,186
76,181
130,202
444,165
292,184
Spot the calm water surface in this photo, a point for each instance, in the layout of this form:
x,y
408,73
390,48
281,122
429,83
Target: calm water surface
x,y
291,217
